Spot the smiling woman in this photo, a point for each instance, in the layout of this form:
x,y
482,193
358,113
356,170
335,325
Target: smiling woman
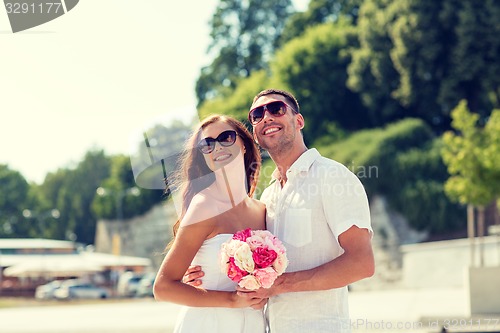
x,y
219,171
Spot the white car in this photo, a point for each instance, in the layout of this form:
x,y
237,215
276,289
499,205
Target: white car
x,y
128,284
78,289
46,291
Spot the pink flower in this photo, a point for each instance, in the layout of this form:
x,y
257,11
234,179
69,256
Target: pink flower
x,y
263,257
265,276
234,272
253,258
249,282
255,241
243,234
275,244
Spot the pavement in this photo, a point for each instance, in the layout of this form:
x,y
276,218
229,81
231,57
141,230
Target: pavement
x,y
417,310
371,311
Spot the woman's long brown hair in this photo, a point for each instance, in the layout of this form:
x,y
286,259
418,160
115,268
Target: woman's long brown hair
x,y
193,166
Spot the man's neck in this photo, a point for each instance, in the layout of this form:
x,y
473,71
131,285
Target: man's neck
x,y
285,160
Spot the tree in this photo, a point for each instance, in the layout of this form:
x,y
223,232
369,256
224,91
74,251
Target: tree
x,y
244,36
12,202
237,104
318,12
371,72
314,68
71,191
419,58
472,181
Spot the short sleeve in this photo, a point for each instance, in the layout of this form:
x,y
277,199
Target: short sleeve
x,y
345,201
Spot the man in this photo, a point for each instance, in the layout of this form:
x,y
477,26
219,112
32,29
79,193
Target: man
x,y
319,210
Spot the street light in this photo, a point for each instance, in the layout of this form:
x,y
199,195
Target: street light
x,y
115,236
53,213
119,196
40,217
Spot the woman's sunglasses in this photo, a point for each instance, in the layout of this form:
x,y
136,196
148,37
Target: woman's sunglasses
x,y
276,108
225,139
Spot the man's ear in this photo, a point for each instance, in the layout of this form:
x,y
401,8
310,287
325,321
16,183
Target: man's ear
x,y
300,120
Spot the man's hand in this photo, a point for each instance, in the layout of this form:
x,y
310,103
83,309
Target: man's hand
x,y
193,276
262,292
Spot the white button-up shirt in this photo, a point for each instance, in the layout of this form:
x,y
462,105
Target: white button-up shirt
x,y
320,200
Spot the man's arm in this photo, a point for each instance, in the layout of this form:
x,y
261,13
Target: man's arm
x,y
354,264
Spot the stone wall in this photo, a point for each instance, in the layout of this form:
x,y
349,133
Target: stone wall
x,y
142,236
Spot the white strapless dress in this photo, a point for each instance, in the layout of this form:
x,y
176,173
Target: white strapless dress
x,y
212,319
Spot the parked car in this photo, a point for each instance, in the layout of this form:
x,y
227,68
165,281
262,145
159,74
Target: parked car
x,y
128,283
46,291
79,289
145,286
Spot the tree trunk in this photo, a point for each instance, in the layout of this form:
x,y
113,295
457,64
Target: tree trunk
x,y
470,233
480,233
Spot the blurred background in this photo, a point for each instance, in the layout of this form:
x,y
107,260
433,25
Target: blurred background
x,y
405,93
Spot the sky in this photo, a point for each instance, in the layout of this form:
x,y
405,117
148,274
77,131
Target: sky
x,y
94,77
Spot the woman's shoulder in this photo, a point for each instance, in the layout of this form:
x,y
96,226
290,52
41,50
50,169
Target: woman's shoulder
x,y
200,210
257,203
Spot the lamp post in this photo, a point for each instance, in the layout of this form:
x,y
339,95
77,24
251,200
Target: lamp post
x,y
115,235
40,217
119,196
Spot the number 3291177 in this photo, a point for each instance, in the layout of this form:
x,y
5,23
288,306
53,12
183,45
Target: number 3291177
x,y
32,8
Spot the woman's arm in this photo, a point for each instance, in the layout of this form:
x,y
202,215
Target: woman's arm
x,y
168,283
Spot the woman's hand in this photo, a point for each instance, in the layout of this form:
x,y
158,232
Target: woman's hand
x,y
193,276
245,302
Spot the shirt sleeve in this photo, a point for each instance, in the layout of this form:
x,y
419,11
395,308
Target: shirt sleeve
x,y
345,202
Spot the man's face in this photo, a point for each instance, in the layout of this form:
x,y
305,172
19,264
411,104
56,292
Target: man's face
x,y
276,134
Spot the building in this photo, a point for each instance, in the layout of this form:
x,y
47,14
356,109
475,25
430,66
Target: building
x,y
28,263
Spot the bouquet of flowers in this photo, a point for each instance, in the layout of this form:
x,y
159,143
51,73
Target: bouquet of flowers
x,y
253,258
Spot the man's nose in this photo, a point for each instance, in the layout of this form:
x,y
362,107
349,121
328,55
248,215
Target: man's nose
x,y
267,115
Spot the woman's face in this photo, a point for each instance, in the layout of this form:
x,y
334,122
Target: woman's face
x,y
223,153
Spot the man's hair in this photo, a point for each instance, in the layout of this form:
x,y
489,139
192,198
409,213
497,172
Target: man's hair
x,y
288,96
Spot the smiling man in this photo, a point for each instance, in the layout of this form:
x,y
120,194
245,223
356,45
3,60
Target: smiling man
x,y
319,209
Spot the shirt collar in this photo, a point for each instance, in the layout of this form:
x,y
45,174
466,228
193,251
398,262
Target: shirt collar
x,y
302,164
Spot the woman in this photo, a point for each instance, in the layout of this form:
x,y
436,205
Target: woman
x,y
218,180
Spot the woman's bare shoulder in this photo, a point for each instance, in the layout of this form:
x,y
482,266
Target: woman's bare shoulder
x,y
258,203
200,210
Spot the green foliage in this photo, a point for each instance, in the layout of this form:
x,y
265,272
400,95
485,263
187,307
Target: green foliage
x,y
318,12
12,201
371,72
266,172
470,156
238,103
244,36
403,163
314,68
71,191
419,58
121,199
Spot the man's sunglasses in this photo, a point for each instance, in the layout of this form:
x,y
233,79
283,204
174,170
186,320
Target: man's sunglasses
x,y
276,108
225,139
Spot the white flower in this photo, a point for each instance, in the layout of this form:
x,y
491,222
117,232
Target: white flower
x,y
231,246
249,282
280,264
243,258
